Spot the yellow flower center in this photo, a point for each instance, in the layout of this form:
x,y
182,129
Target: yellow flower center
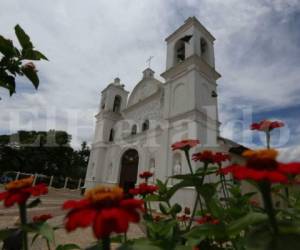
x,y
104,193
263,154
18,184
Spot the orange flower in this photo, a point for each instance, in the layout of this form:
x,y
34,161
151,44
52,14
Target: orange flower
x,y
20,190
185,144
261,165
105,208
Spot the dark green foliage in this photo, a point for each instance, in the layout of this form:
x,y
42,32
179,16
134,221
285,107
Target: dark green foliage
x,y
47,153
14,61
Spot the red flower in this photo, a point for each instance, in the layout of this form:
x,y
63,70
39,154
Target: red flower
x,y
208,156
261,165
20,190
183,218
146,175
208,219
42,218
105,209
143,189
266,125
185,144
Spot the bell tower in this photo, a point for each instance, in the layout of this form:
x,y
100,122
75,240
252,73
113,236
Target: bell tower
x,y
191,88
113,102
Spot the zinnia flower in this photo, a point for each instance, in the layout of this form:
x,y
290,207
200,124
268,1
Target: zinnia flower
x,y
105,208
20,190
261,165
42,218
143,189
208,156
185,144
266,125
208,219
146,175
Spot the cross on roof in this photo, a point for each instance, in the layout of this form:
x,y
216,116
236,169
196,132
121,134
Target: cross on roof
x,y
149,61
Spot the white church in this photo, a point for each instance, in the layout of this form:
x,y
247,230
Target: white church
x,y
134,131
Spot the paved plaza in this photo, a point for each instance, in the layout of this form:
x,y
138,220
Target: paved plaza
x,y
52,203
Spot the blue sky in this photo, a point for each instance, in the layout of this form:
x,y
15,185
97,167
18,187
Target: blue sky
x,y
89,43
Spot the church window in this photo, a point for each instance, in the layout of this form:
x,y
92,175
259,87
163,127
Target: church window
x,y
204,49
111,135
134,129
177,165
117,104
179,51
145,125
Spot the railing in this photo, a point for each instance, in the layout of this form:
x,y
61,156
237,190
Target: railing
x,y
51,181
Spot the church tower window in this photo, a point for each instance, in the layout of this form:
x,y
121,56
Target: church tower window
x,y
179,51
204,49
117,104
145,125
111,135
134,129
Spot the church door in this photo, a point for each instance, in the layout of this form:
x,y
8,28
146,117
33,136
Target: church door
x,y
129,169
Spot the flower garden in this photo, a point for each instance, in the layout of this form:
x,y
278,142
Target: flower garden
x,y
224,216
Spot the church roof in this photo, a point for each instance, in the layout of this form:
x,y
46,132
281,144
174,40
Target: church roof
x,y
145,88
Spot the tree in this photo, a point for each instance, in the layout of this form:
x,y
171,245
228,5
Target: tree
x,y
47,153
14,62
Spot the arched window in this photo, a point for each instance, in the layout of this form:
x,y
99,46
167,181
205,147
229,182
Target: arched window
x,y
204,49
145,125
111,135
117,104
134,129
179,51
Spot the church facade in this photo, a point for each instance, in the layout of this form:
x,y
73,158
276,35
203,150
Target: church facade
x,y
134,132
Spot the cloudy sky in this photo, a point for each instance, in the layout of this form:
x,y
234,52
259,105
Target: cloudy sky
x,y
89,43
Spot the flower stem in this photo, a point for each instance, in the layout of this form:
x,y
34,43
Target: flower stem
x,y
106,243
268,139
265,189
187,156
23,217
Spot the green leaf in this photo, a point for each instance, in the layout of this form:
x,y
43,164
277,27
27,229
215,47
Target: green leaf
x,y
43,229
34,203
8,82
237,226
163,208
67,247
207,230
23,38
4,233
6,47
30,54
31,74
176,208
207,191
262,239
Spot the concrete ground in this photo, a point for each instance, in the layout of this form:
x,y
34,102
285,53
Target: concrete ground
x,y
51,203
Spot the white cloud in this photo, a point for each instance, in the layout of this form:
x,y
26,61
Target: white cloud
x,y
91,42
